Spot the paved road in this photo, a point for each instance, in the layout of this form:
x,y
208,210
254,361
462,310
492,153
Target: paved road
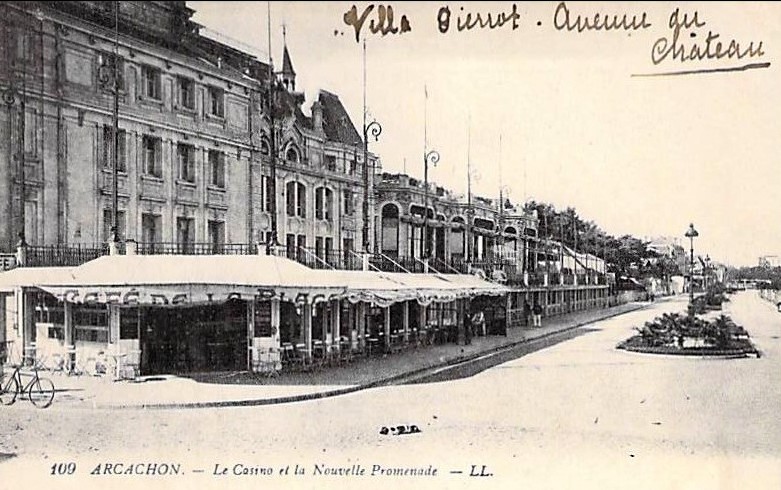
x,y
579,414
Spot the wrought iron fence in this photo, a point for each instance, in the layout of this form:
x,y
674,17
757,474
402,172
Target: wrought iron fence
x,y
69,255
171,248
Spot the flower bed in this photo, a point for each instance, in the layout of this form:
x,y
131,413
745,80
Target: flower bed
x,y
687,335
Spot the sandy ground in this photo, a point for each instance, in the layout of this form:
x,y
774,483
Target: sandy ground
x,y
580,414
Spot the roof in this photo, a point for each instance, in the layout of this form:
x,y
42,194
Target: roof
x,y
28,276
337,124
173,279
244,270
287,65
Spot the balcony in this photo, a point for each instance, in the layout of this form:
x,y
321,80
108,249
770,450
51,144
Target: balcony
x,y
172,248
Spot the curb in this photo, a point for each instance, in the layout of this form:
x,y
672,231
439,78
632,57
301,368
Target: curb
x,y
390,380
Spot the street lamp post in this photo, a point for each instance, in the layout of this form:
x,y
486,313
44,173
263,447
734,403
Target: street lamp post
x,y
429,158
691,233
109,78
374,129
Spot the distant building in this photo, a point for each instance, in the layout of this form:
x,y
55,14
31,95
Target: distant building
x,y
770,261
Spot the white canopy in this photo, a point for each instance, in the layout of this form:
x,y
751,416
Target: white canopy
x,y
175,279
28,276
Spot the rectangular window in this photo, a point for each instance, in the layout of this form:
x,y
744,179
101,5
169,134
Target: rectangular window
x,y
290,244
330,163
151,228
329,250
328,204
217,167
24,46
186,93
129,323
185,234
319,203
348,203
150,82
301,245
186,156
108,63
301,210
108,218
295,197
216,102
90,322
152,156
348,245
108,148
319,246
353,166
216,236
268,194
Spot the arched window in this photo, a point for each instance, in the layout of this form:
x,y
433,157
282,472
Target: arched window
x,y
265,149
390,229
291,155
295,197
324,203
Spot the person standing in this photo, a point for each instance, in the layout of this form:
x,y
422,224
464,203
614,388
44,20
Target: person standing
x,y
527,313
467,327
537,312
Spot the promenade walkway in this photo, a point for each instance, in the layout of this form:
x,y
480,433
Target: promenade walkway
x,y
244,389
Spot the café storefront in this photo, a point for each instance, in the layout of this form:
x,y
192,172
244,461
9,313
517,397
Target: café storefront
x,y
184,314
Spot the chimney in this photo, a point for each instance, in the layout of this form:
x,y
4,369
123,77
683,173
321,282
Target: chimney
x,y
317,116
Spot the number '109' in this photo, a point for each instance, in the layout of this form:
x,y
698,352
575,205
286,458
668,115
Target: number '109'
x,y
63,468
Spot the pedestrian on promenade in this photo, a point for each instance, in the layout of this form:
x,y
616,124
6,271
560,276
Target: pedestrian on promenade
x,y
537,311
527,313
467,327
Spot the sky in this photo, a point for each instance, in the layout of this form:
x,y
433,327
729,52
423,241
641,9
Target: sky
x,y
637,155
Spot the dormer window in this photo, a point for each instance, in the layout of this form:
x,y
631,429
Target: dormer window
x,y
291,155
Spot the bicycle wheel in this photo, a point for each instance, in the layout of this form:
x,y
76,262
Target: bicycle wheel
x,y
41,392
9,388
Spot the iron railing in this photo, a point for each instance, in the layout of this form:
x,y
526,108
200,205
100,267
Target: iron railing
x,y
70,255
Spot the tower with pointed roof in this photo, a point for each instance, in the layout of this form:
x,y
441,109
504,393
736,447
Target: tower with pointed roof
x,y
288,74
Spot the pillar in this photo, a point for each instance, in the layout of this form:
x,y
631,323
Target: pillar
x,y
307,330
386,326
69,334
405,321
362,326
336,323
113,324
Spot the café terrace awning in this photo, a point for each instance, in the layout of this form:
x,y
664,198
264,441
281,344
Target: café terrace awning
x,y
28,276
178,279
386,288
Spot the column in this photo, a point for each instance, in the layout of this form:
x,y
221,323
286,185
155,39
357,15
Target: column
x,y
337,323
307,330
405,321
386,327
68,334
460,307
361,307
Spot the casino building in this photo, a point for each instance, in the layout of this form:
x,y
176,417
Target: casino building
x,y
253,231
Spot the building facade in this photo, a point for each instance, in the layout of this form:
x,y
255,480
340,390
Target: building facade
x,y
122,124
194,138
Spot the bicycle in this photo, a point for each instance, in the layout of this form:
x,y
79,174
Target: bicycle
x,y
40,391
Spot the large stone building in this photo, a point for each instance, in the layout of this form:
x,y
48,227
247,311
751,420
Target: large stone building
x,y
194,139
215,154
